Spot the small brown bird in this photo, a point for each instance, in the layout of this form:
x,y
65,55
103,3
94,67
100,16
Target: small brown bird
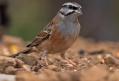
x,y
60,33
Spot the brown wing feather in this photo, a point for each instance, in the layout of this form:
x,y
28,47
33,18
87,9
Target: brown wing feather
x,y
44,35
39,38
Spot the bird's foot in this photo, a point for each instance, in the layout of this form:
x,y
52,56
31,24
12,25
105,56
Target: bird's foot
x,y
44,57
45,60
69,62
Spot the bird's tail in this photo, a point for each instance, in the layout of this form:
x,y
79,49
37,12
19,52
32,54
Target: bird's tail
x,y
26,51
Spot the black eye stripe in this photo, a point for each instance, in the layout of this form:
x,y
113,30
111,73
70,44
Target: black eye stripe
x,y
70,7
73,7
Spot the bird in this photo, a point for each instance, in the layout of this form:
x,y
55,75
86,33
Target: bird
x,y
60,33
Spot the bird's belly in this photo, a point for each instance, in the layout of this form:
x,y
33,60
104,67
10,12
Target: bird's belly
x,y
60,45
57,44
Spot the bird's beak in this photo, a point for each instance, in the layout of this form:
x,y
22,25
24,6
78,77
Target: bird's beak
x,y
79,11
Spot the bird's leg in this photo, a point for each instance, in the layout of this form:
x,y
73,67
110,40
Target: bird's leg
x,y
69,61
44,57
63,55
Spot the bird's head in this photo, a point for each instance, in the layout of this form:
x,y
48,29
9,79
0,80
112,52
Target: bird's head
x,y
70,8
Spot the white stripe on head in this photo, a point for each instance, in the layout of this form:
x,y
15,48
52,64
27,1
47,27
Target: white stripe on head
x,y
73,4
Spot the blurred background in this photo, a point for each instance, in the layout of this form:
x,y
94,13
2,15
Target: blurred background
x,y
25,18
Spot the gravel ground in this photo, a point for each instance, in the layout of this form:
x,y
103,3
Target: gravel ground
x,y
87,60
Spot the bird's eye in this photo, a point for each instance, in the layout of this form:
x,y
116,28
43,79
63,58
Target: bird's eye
x,y
70,7
73,7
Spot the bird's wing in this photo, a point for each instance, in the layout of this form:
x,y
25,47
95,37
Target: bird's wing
x,y
46,33
42,36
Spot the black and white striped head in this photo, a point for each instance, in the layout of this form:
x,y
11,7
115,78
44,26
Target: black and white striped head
x,y
70,8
